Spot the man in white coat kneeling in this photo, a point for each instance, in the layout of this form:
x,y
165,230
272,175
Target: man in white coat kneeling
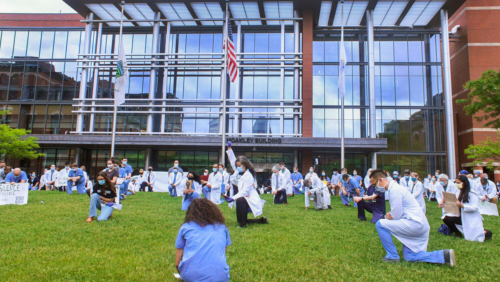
x,y
407,222
317,190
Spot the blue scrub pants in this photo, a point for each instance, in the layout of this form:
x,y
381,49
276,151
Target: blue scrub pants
x,y
187,200
206,192
123,187
296,189
172,191
345,198
222,192
95,204
69,187
409,255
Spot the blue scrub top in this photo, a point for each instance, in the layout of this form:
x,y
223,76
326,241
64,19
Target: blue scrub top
x,y
204,257
121,172
11,178
296,177
128,169
79,172
379,204
352,185
336,178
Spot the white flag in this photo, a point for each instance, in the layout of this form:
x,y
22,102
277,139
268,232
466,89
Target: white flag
x,y
121,77
343,62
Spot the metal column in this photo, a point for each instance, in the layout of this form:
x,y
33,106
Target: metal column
x,y
95,86
165,77
296,76
282,80
83,80
152,78
448,100
371,82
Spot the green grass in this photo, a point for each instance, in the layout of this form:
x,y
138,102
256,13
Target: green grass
x,y
51,241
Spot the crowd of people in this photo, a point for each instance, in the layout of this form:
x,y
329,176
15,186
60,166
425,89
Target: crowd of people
x,y
204,227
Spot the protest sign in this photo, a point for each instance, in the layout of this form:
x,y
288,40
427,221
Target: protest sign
x,y
61,181
450,203
16,194
488,208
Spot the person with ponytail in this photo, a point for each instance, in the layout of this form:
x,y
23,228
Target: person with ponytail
x,y
247,197
470,221
102,198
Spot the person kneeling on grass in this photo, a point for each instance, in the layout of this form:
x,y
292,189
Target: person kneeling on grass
x,y
192,190
102,198
278,185
407,222
316,189
201,244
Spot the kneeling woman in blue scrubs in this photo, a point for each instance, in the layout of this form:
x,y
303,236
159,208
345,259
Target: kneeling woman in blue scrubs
x,y
192,190
104,193
200,248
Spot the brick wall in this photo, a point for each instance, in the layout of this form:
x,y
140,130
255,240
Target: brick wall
x,y
41,20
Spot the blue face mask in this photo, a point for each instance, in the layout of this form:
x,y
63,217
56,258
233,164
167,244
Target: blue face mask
x,y
429,177
442,183
485,186
413,179
354,173
295,170
407,177
175,170
335,173
67,167
124,163
74,169
176,165
240,169
379,188
311,170
214,169
52,168
101,182
395,176
221,169
486,177
323,174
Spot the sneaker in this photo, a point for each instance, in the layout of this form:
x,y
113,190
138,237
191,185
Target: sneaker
x,y
449,257
329,207
487,234
391,260
264,220
319,209
362,219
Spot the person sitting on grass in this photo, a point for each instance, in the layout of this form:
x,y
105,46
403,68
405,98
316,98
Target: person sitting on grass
x,y
201,244
192,190
103,197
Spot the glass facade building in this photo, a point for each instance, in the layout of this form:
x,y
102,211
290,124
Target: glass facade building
x,y
58,82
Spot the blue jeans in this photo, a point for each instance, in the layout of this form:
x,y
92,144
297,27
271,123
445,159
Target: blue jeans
x,y
69,187
124,186
172,191
206,192
392,253
187,200
296,189
95,204
353,193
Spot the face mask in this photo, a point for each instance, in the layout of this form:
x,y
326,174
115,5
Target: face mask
x,y
101,182
429,177
310,170
52,168
354,173
110,166
395,176
437,174
485,186
459,185
176,165
379,188
206,173
486,177
150,169
74,169
323,174
116,166
476,176
67,167
240,169
190,178
413,179
221,169
335,173
407,177
124,163
33,175
175,170
442,183
214,169
295,170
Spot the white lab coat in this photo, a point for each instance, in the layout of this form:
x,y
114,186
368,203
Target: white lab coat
x,y
145,178
452,188
215,180
410,226
306,189
367,181
178,182
282,181
402,182
49,176
490,191
472,221
246,190
289,184
417,190
317,186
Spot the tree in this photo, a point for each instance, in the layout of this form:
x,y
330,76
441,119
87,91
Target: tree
x,y
484,97
15,145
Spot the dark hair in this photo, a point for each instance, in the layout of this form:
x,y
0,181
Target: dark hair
x,y
377,174
67,163
464,192
222,165
108,184
244,161
282,163
484,181
115,161
124,158
345,177
335,169
203,212
196,177
74,164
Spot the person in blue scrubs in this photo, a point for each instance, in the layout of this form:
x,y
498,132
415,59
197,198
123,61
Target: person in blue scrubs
x,y
296,181
34,181
128,170
192,191
351,187
77,178
102,198
377,208
201,244
16,176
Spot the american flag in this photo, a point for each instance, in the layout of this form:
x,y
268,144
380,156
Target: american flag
x,y
232,66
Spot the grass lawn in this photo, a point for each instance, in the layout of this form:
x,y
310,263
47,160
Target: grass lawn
x,y
51,241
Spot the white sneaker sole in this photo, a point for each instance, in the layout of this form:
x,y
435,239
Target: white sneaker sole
x,y
452,258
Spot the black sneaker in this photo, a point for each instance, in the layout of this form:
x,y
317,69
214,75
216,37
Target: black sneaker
x,y
391,260
449,257
264,220
329,207
319,209
362,219
487,234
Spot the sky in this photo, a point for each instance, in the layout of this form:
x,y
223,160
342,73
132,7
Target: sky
x,y
34,6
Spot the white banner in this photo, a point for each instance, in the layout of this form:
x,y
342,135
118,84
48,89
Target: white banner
x,y
61,181
16,194
488,208
161,181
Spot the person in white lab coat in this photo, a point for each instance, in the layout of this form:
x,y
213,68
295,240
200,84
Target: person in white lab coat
x,y
278,186
427,184
51,177
486,190
406,180
63,175
247,197
174,181
417,190
317,190
470,221
433,184
214,183
148,180
288,176
407,222
445,185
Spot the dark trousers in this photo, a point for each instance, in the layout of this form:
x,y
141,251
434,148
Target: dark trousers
x,y
143,187
362,206
242,210
280,197
235,191
450,221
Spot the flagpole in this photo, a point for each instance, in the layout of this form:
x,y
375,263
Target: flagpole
x,y
342,141
224,85
113,134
